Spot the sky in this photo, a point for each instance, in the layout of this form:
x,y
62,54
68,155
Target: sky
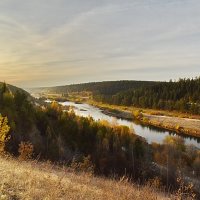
x,y
58,42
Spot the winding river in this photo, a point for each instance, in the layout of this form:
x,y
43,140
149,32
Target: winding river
x,y
150,133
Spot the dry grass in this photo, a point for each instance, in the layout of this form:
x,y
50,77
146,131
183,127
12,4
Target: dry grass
x,y
32,180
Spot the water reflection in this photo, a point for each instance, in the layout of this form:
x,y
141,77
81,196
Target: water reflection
x,y
150,133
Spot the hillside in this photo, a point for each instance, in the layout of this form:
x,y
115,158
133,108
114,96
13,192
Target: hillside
x,y
32,180
47,133
181,95
106,87
14,89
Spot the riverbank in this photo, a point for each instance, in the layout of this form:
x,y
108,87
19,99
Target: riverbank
x,y
117,113
180,125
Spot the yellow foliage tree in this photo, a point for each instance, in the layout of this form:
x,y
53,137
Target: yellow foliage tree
x,y
4,132
55,106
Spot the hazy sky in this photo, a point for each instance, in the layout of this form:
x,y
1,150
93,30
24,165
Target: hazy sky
x,y
55,42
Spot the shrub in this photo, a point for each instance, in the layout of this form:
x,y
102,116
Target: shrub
x,y
85,165
25,150
156,183
145,120
137,114
4,132
185,191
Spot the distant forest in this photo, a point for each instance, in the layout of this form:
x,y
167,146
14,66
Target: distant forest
x,y
182,95
98,88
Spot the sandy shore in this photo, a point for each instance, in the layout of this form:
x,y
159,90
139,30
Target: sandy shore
x,y
182,125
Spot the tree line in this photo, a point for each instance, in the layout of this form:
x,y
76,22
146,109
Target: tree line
x,y
105,87
64,137
182,95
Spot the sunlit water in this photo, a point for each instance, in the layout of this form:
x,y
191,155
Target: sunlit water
x,y
150,133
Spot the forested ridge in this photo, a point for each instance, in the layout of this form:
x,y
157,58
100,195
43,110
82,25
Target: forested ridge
x,y
46,132
105,88
12,88
182,95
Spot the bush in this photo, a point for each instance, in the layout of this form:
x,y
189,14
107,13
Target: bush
x,y
4,132
137,114
25,150
85,165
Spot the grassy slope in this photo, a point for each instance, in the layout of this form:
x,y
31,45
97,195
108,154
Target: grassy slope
x,y
32,180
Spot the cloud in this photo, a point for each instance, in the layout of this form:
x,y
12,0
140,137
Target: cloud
x,y
57,42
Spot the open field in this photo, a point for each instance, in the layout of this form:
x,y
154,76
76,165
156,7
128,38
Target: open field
x,y
32,180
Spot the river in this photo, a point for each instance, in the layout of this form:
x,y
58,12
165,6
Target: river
x,y
150,133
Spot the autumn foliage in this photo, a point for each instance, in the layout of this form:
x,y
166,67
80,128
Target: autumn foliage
x,y
25,150
4,132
